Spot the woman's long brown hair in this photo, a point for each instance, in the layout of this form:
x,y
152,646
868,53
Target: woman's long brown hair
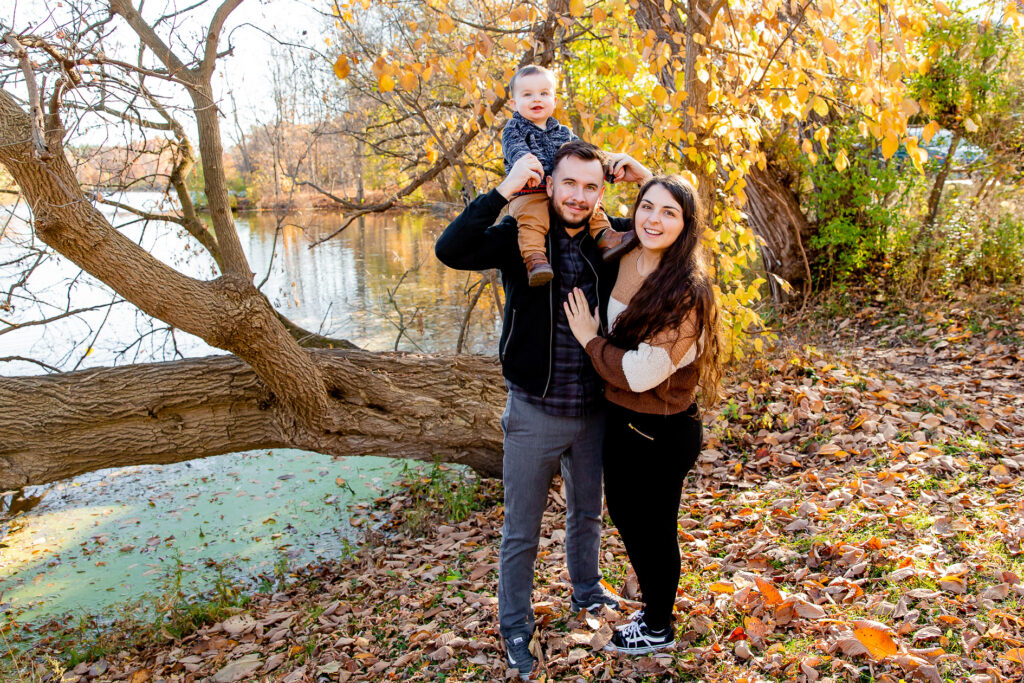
x,y
680,284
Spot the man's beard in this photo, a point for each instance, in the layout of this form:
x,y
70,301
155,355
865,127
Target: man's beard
x,y
572,225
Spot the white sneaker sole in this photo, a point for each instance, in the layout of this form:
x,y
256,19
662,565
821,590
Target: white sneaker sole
x,y
576,609
639,650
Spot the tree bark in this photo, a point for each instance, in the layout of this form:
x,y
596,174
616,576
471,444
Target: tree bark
x,y
774,214
923,243
940,182
653,15
400,405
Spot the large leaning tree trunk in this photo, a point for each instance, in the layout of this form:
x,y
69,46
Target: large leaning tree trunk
x,y
403,406
774,214
272,393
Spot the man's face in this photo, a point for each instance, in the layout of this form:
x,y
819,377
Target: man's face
x,y
575,188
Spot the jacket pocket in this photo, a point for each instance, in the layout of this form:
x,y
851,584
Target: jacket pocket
x,y
508,339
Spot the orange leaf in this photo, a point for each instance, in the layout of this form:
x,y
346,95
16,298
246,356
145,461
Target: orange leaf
x,y
720,587
890,145
737,634
874,543
875,637
408,80
341,67
771,594
756,630
1015,655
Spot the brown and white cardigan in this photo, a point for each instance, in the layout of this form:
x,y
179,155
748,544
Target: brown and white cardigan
x,y
659,376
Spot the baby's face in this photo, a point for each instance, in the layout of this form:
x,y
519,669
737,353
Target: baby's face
x,y
534,98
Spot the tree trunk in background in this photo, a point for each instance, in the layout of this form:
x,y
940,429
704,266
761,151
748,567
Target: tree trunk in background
x,y
775,216
667,23
923,242
940,182
399,406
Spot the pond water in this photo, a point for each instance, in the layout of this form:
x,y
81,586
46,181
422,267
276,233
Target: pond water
x,y
85,545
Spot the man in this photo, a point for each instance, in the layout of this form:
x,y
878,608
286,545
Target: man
x,y
554,416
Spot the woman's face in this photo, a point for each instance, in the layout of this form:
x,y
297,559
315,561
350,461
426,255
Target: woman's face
x,y
659,219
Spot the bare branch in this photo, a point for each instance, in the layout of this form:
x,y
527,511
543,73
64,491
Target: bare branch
x,y
149,37
22,359
213,36
35,104
11,327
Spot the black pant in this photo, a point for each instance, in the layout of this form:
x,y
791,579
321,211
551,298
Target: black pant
x,y
646,458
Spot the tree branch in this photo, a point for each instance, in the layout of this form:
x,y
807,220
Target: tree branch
x,y
149,37
213,37
35,104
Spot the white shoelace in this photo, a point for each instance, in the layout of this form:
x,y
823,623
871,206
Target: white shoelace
x,y
633,630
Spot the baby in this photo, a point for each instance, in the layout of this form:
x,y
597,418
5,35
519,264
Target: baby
x,y
532,130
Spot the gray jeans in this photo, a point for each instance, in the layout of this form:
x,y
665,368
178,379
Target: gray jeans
x,y
536,446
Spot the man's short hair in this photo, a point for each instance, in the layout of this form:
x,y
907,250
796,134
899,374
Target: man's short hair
x,y
580,150
530,70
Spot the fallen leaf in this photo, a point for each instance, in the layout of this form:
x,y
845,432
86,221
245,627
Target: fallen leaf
x,y
771,594
876,638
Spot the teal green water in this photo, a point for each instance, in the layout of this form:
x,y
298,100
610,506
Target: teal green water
x,y
128,529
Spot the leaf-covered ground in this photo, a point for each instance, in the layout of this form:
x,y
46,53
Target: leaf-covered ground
x,y
857,515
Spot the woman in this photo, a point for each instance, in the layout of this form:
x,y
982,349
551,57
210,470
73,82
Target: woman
x,y
664,343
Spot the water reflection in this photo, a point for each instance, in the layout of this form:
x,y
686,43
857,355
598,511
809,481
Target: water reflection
x,y
378,275
375,278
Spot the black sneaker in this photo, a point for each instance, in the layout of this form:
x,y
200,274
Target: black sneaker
x,y
517,650
636,638
598,599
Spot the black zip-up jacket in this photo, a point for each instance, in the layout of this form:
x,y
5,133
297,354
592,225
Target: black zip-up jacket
x,y
474,242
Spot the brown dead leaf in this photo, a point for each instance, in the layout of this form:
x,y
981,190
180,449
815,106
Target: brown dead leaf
x,y
141,676
756,630
785,612
809,610
928,633
602,637
998,592
850,646
546,607
808,669
954,583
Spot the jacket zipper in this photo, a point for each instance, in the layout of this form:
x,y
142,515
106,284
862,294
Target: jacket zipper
x,y
597,287
511,328
551,325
